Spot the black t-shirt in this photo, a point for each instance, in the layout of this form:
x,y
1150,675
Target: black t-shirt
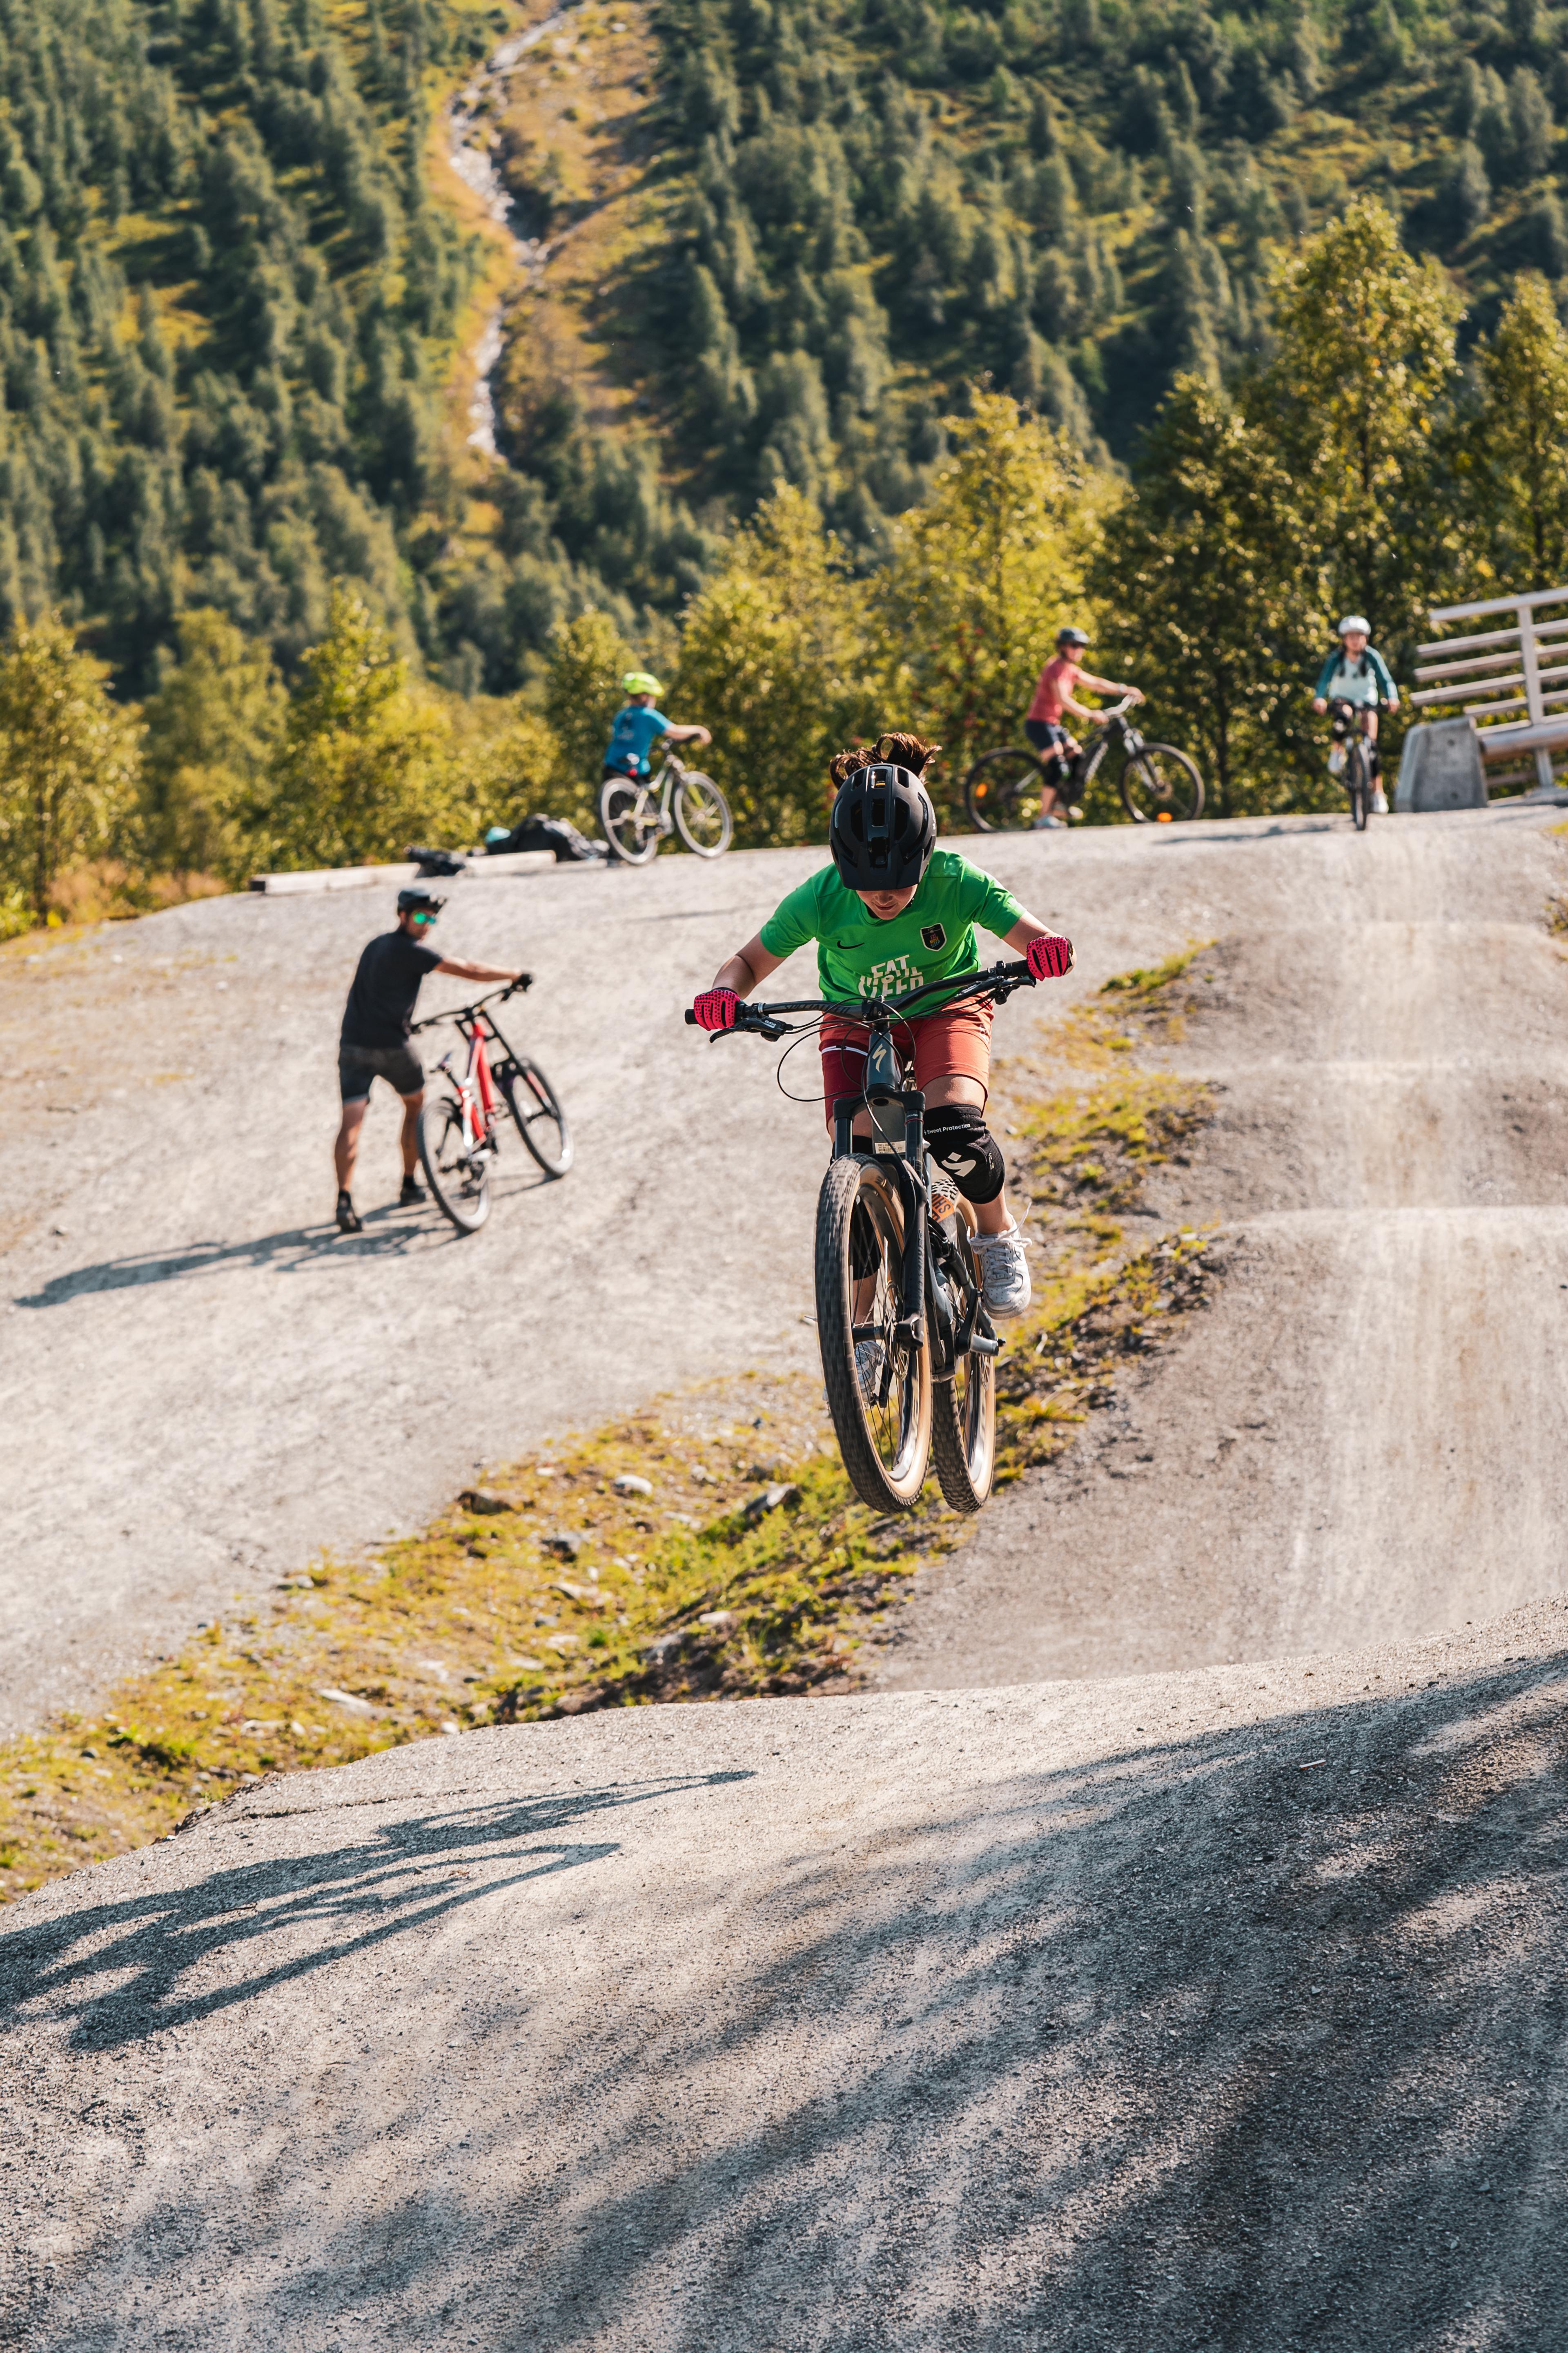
x,y
379,1010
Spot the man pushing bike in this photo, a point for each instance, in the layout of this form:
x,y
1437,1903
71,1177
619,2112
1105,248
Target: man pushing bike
x,y
375,1041
891,914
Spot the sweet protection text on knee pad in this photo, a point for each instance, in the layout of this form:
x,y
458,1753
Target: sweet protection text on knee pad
x,y
964,1148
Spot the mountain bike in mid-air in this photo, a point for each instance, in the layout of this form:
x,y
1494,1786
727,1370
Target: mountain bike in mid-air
x,y
909,1353
1349,756
1003,792
460,1130
638,813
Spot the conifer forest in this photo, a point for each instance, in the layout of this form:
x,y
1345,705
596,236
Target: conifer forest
x,y
834,353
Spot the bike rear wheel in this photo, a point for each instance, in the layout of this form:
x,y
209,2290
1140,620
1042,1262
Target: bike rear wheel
x,y
629,814
461,1184
963,1424
702,816
1160,786
879,1391
1002,792
536,1113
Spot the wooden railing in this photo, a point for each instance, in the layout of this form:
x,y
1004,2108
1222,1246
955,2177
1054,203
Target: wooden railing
x,y
1512,683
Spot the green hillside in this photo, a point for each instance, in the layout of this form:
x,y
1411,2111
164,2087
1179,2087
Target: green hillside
x,y
233,298
869,204
225,300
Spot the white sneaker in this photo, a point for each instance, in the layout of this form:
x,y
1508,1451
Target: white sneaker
x,y
1380,802
1004,1270
1052,819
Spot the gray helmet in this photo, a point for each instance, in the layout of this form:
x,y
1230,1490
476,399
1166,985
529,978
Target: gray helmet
x,y
1071,638
883,829
416,895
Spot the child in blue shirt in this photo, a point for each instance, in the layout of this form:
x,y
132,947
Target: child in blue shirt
x,y
638,727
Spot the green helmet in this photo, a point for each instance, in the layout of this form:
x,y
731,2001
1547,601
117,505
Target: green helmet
x,y
640,682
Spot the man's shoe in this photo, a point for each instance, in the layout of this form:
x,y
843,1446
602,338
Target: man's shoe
x,y
413,1193
1004,1270
349,1220
1380,802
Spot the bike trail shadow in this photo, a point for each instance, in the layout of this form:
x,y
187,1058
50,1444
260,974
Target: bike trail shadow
x,y
1251,2039
392,1878
389,1232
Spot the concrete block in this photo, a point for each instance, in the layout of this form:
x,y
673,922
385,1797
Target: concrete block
x,y
1440,767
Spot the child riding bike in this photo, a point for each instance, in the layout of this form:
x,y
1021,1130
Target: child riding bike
x,y
1356,672
638,727
891,913
1051,740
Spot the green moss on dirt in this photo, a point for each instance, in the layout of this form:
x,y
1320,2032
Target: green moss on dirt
x,y
709,1548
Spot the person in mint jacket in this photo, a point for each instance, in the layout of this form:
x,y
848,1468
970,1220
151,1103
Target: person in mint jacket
x,y
1356,672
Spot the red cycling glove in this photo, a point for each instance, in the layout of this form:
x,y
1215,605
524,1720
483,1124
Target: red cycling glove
x,y
715,1008
1049,957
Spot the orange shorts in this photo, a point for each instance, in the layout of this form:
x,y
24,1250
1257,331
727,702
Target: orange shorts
x,y
955,1043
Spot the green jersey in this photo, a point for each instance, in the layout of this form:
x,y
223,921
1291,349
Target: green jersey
x,y
933,939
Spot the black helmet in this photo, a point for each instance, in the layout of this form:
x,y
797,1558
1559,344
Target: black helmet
x,y
1071,638
883,829
416,895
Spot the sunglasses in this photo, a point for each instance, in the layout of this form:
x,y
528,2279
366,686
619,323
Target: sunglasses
x,y
422,915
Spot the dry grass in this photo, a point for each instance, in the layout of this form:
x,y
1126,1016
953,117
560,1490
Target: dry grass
x,y
709,1548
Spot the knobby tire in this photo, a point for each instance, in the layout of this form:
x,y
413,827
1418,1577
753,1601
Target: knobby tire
x,y
702,817
1002,791
460,1195
536,1112
964,1422
886,1447
1157,781
628,813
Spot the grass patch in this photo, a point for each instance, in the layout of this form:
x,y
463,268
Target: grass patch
x,y
709,1548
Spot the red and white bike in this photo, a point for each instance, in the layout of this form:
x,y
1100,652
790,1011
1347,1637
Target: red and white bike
x,y
460,1132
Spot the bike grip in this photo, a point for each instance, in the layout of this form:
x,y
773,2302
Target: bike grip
x,y
690,1019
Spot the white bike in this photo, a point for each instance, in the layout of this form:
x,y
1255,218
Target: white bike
x,y
637,815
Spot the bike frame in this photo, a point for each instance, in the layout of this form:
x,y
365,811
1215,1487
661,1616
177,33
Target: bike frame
x,y
664,784
475,1085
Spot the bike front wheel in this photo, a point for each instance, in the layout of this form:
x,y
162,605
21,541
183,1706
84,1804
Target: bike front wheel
x,y
964,1423
629,814
878,1386
702,816
1003,792
1357,784
456,1176
536,1112
1160,786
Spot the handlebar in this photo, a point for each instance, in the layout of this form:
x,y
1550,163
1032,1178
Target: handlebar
x,y
764,1020
461,1013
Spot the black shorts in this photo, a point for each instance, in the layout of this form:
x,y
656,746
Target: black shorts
x,y
1046,735
627,775
357,1065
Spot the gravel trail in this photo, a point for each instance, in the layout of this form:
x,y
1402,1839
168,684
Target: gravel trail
x,y
1206,1991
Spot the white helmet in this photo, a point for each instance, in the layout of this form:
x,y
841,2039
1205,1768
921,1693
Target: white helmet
x,y
1354,621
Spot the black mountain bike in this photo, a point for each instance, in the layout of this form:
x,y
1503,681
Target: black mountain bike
x,y
1349,757
460,1133
1158,785
909,1353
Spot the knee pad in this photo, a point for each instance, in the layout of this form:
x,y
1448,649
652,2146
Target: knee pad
x,y
964,1148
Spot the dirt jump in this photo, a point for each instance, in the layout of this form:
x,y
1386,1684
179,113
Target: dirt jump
x,y
1168,1954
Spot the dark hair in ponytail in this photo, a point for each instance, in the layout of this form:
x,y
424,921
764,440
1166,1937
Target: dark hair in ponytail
x,y
898,751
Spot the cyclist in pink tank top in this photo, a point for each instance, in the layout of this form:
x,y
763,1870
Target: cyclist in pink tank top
x,y
1044,728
